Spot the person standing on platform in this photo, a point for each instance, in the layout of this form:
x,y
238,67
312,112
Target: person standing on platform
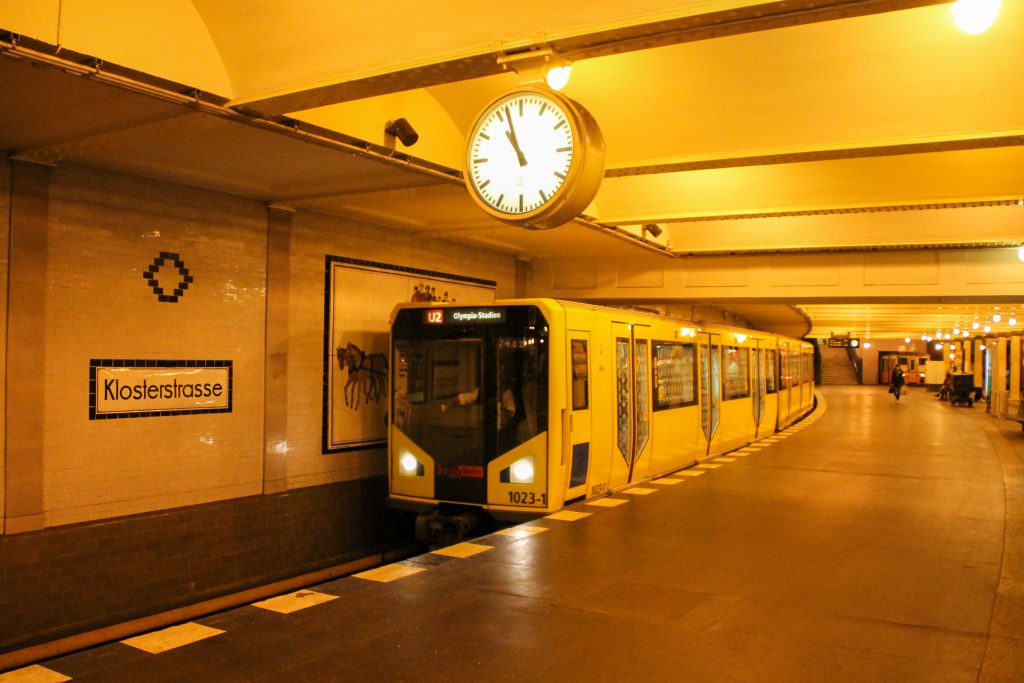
x,y
896,387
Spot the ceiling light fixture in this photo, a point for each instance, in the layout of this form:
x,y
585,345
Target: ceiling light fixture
x,y
558,76
996,318
975,16
536,66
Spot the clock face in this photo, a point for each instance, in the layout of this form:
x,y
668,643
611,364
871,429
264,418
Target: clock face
x,y
520,152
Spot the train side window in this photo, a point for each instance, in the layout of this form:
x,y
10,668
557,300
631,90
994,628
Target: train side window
x,y
675,375
643,390
580,375
771,371
737,372
625,397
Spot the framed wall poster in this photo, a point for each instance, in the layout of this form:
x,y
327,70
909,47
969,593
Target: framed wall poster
x,y
358,298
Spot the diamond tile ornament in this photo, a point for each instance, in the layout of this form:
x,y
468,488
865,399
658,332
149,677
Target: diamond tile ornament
x,y
182,277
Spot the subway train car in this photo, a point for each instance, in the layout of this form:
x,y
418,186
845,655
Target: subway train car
x,y
516,408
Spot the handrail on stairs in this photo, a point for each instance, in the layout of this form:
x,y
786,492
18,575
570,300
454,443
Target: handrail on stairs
x,y
857,364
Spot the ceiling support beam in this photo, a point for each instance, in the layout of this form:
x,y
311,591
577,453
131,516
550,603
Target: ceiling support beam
x,y
952,144
751,18
194,102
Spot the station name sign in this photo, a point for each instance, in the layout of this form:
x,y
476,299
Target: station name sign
x,y
150,388
464,316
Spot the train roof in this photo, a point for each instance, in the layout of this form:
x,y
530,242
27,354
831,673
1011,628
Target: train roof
x,y
598,308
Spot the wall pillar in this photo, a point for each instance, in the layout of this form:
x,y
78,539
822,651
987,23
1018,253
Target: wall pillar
x,y
522,278
5,241
275,442
26,336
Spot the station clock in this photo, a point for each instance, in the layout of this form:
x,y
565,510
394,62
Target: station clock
x,y
534,158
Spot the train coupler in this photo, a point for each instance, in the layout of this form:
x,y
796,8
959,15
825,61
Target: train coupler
x,y
441,527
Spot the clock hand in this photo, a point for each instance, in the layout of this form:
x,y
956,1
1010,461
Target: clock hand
x,y
511,135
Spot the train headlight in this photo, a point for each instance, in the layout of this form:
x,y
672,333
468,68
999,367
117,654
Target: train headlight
x,y
521,471
409,465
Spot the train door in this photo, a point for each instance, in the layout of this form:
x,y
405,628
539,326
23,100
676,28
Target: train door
x,y
642,392
711,387
632,442
579,431
785,382
757,372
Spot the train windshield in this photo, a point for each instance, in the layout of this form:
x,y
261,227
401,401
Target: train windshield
x,y
437,394
467,389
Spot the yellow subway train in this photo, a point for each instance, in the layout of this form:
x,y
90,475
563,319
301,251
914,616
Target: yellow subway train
x,y
519,407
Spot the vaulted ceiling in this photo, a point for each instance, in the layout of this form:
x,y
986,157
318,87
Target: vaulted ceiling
x,y
738,126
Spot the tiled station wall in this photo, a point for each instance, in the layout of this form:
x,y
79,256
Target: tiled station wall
x,y
105,231
146,514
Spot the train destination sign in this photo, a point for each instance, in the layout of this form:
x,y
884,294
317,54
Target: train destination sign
x,y
147,388
457,316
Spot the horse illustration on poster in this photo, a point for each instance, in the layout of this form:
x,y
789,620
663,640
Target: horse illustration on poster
x,y
367,375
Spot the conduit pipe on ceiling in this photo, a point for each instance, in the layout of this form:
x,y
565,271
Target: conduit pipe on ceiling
x,y
194,100
625,235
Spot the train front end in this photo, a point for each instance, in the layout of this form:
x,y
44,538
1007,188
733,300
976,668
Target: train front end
x,y
469,414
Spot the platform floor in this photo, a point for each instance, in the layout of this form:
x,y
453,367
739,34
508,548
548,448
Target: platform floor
x,y
874,541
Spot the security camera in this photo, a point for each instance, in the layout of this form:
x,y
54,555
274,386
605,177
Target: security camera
x,y
403,130
653,228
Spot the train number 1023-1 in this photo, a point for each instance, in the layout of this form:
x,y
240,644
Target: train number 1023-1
x,y
527,498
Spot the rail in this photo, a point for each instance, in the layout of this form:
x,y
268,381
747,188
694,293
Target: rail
x,y
857,365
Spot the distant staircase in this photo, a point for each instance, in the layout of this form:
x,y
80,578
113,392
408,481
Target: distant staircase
x,y
836,366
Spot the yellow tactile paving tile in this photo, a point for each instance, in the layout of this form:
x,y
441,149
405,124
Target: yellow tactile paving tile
x,y
608,502
666,481
568,515
725,459
293,602
464,549
522,531
173,637
388,573
689,473
708,466
33,674
640,491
